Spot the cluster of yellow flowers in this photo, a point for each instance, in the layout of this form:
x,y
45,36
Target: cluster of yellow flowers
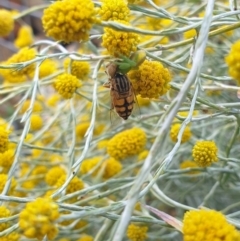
x,y
205,153
233,61
108,168
69,20
6,22
136,232
66,85
37,219
208,225
73,162
175,130
116,42
21,75
150,80
127,143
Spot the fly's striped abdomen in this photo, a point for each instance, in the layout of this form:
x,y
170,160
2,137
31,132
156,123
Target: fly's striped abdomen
x,y
122,95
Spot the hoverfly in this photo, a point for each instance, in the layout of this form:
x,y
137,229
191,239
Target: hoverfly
x,y
122,95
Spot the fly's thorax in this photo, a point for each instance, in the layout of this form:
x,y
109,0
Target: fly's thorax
x,y
111,70
121,84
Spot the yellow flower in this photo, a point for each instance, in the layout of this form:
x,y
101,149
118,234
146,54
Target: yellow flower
x,y
4,213
143,101
150,80
233,61
127,143
37,219
109,167
25,37
120,43
185,113
75,184
6,160
53,100
189,164
19,75
66,85
143,155
53,175
112,167
69,20
37,106
47,67
6,22
190,34
89,164
208,225
36,122
102,144
114,10
205,153
137,233
186,136
3,139
80,69
86,238
14,236
81,129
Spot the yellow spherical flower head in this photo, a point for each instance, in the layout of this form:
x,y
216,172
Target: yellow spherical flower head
x,y
114,10
47,67
66,85
4,213
36,122
75,184
25,37
86,238
69,20
120,43
233,61
6,22
208,225
19,75
112,167
53,175
109,167
89,165
150,80
4,139
14,236
205,153
23,55
189,164
80,69
190,34
137,233
37,106
53,100
127,143
6,160
81,129
186,136
143,155
38,218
